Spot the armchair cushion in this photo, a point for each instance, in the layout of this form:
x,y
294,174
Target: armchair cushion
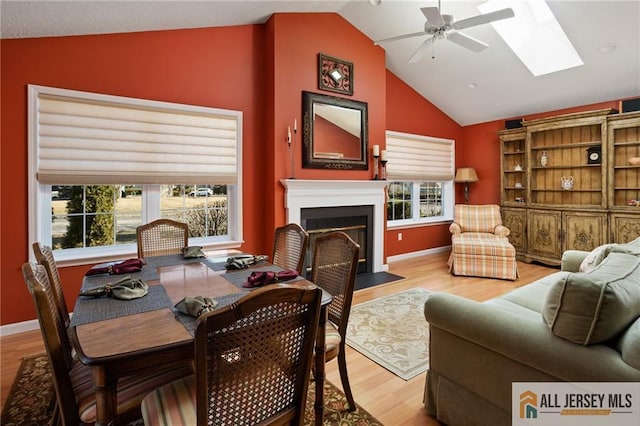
x,y
483,218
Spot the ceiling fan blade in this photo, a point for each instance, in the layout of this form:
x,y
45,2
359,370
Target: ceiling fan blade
x,y
484,19
466,41
433,16
400,37
419,53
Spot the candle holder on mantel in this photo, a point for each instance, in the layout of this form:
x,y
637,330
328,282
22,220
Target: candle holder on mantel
x,y
384,169
375,166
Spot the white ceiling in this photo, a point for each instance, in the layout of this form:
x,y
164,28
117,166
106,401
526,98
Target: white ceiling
x,y
504,88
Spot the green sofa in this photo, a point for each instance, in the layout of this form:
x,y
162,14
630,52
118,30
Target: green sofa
x,y
568,326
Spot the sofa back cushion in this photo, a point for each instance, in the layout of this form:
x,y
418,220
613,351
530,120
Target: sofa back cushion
x,y
595,306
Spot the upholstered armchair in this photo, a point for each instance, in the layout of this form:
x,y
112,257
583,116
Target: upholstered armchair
x,y
479,243
484,219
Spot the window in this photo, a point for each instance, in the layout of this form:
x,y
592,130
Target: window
x,y
421,172
102,165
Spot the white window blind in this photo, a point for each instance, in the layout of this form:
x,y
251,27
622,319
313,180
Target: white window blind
x,y
89,138
419,158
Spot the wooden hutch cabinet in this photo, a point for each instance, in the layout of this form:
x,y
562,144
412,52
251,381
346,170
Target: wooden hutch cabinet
x,y
567,183
624,177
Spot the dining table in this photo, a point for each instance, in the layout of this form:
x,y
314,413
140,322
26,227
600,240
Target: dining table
x,y
117,338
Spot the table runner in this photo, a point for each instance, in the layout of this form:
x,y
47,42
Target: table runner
x,y
189,322
150,270
94,309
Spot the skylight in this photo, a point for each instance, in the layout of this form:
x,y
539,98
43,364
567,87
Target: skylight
x,y
534,35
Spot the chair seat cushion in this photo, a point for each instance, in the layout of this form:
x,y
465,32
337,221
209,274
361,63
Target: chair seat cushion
x,y
172,404
131,389
332,341
482,244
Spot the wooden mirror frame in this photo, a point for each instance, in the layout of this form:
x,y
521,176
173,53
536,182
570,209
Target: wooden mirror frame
x,y
309,157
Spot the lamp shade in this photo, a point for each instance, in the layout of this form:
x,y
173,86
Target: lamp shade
x,y
466,174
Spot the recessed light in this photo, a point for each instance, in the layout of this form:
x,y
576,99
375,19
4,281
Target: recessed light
x,y
606,48
472,85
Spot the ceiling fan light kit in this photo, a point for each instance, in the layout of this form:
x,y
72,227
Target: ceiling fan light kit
x,y
439,27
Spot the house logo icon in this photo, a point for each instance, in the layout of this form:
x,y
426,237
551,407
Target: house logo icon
x,y
528,405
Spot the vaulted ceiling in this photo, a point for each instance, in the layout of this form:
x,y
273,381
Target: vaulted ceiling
x,y
469,87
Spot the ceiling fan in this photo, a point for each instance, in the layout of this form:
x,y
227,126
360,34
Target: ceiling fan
x,y
439,26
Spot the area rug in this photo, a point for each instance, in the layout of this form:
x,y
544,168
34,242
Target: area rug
x,y
31,400
392,331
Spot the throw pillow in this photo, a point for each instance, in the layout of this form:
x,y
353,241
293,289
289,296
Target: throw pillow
x,y
629,345
592,307
596,256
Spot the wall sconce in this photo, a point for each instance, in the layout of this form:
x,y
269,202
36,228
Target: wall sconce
x,y
466,175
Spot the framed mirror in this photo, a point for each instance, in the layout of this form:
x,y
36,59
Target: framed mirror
x,y
334,132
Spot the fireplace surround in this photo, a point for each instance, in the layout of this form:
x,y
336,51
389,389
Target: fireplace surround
x,y
307,194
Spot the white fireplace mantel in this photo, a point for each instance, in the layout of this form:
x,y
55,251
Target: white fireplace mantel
x,y
302,194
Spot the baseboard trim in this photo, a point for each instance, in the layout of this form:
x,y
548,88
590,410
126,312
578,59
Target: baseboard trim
x,y
411,255
19,327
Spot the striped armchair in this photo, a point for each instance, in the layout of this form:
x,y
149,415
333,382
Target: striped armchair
x,y
479,243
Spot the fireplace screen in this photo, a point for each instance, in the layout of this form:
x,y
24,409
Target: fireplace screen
x,y
355,221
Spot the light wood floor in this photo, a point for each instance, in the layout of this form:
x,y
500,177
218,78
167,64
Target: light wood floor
x,y
391,399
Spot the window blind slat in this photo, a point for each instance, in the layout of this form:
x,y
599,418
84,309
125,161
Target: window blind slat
x,y
415,157
90,138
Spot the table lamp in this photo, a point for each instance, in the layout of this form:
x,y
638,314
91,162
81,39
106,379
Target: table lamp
x,y
466,175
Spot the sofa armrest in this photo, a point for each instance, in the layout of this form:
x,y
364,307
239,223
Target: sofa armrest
x,y
525,340
571,260
455,228
501,231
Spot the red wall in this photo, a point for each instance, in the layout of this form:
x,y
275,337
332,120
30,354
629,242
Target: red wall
x,y
409,112
199,67
260,70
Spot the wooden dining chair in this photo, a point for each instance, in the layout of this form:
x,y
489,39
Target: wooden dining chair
x,y
253,361
334,267
162,237
290,247
44,256
75,400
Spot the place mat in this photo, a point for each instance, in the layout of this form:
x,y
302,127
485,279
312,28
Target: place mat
x,y
94,309
239,277
189,322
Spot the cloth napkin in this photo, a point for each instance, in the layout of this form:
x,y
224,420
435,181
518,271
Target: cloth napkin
x,y
126,289
244,261
114,268
196,306
260,278
192,252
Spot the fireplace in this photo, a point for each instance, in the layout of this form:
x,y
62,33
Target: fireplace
x,y
355,221
301,195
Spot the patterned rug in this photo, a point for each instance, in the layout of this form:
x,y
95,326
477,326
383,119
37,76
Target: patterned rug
x,y
31,400
392,331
